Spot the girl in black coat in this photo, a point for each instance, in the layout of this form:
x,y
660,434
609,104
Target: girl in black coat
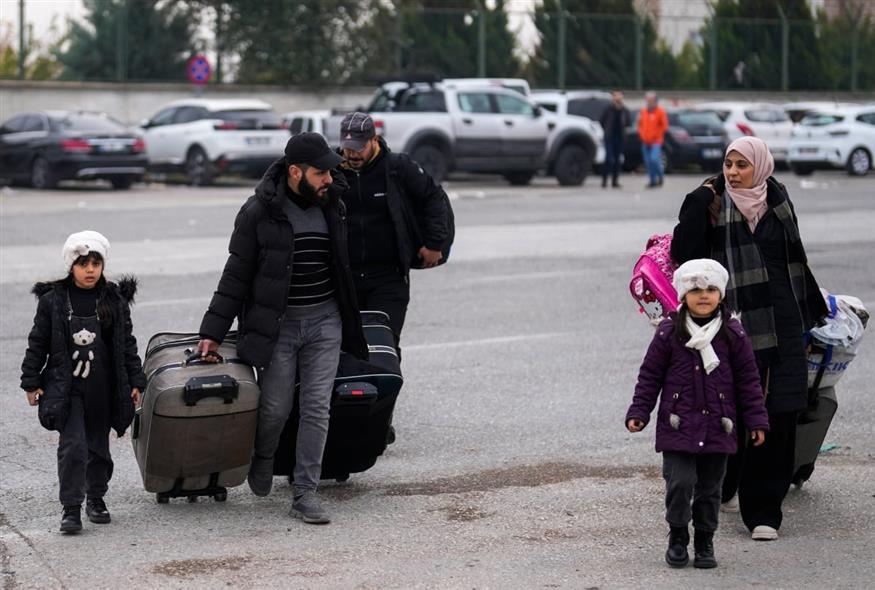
x,y
82,368
744,219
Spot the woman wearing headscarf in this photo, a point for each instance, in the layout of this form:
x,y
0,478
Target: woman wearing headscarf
x,y
744,219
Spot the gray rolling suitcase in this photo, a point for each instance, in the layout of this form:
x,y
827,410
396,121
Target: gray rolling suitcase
x,y
194,431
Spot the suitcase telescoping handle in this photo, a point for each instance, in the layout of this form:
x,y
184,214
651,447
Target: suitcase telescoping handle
x,y
192,355
198,388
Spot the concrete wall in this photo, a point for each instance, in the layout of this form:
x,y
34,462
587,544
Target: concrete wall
x,y
131,103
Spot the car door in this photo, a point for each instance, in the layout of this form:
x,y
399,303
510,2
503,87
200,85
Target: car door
x,y
27,133
158,135
865,126
478,130
523,131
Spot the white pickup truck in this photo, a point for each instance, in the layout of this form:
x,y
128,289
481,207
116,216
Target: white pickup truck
x,y
476,126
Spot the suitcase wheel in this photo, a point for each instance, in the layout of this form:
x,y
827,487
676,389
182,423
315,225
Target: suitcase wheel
x,y
220,496
162,499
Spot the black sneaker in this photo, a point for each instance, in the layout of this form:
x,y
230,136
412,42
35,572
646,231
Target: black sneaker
x,y
71,521
95,509
703,545
676,555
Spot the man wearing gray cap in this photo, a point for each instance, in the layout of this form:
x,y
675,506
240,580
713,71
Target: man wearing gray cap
x,y
399,219
287,280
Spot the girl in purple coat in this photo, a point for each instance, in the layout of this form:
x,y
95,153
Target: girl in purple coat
x,y
701,367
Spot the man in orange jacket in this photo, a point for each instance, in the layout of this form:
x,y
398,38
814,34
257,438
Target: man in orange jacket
x,y
652,125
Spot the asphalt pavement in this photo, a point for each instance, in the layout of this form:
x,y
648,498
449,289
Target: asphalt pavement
x,y
512,467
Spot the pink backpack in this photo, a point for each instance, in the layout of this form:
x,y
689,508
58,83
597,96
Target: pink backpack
x,y
651,284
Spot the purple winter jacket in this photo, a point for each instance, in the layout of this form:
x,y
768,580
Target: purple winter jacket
x,y
699,400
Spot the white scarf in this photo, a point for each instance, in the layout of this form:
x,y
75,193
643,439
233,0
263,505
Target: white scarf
x,y
700,339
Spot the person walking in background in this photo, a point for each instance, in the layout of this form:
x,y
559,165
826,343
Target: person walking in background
x,y
614,120
652,125
82,368
744,219
287,281
701,366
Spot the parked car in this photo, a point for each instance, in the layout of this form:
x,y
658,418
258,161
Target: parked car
x,y
797,110
693,137
43,148
394,95
306,121
582,103
205,138
483,127
841,137
769,122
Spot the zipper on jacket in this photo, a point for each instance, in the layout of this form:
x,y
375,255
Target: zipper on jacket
x,y
358,178
790,277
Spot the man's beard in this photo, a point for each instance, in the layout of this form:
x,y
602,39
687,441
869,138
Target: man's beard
x,y
311,195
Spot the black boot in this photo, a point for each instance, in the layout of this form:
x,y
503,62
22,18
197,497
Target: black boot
x,y
95,509
71,521
676,555
703,545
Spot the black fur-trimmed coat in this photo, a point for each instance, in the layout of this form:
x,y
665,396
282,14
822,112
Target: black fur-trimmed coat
x,y
48,362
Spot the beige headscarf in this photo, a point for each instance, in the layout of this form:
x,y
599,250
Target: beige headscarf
x,y
752,201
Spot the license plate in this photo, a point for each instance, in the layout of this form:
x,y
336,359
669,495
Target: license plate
x,y
115,146
811,150
257,141
712,153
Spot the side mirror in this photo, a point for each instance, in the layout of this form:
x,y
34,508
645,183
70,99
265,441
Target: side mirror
x,y
145,123
538,111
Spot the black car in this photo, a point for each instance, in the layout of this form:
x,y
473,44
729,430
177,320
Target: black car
x,y
693,137
43,148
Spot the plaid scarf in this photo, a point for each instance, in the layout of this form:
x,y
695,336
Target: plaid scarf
x,y
748,289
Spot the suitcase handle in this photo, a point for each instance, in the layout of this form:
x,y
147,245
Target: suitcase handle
x,y
194,355
198,388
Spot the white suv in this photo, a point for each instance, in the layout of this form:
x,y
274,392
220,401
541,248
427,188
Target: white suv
x,y
836,138
769,122
208,137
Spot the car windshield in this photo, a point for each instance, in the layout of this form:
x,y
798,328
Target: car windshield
x,y
86,122
250,119
820,119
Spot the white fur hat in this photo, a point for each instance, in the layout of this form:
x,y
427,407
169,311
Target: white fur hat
x,y
700,274
83,242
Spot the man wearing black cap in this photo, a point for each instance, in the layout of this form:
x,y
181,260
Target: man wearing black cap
x,y
399,219
288,283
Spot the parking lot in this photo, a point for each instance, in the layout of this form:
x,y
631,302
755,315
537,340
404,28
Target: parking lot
x,y
512,468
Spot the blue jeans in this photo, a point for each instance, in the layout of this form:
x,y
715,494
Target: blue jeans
x,y
313,345
652,161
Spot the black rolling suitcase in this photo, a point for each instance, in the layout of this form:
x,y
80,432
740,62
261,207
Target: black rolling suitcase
x,y
361,407
811,430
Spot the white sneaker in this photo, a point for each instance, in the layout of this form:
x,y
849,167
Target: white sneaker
x,y
764,533
730,506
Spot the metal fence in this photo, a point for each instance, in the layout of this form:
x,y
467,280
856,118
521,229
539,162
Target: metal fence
x,y
551,49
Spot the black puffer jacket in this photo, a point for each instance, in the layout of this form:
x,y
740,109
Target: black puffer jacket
x,y
255,283
48,361
419,207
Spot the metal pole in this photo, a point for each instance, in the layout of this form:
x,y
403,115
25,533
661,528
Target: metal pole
x,y
399,40
855,46
713,68
639,31
785,50
220,43
120,30
561,47
21,40
481,40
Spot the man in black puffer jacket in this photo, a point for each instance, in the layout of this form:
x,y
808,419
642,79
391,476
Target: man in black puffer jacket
x,y
399,219
288,282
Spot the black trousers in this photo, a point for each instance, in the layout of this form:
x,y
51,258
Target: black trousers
x,y
613,158
692,488
84,463
385,290
762,475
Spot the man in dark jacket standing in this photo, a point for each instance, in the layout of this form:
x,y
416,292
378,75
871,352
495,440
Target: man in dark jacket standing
x,y
288,282
614,120
398,220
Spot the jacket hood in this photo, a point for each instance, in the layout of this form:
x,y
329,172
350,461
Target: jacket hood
x,y
270,187
125,286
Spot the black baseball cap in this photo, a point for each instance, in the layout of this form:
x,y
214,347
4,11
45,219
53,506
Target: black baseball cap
x,y
311,149
356,130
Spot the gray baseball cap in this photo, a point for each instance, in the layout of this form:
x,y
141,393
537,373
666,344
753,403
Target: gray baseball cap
x,y
356,130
